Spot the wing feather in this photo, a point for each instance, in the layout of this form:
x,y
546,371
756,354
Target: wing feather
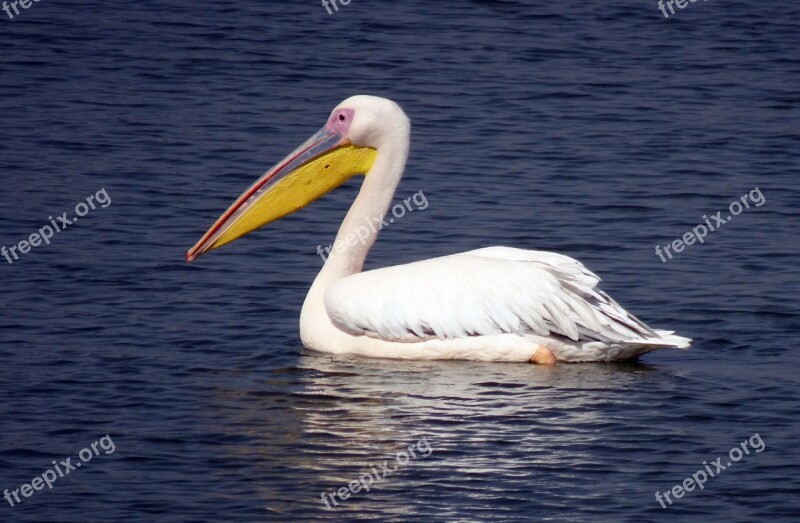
x,y
484,292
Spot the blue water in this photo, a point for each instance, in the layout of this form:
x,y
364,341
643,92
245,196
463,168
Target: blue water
x,y
594,129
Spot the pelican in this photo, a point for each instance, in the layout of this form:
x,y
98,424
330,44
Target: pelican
x,y
490,304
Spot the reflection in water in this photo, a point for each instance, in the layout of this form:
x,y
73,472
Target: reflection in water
x,y
327,420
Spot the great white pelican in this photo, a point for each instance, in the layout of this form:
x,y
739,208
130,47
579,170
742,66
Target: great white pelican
x,y
491,304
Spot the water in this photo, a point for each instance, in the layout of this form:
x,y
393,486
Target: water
x,y
598,130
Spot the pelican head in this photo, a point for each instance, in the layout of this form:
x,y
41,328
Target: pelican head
x,y
347,145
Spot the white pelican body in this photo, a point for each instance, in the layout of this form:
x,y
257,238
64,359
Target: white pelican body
x,y
492,304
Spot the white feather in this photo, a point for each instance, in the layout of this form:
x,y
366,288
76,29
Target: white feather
x,y
486,292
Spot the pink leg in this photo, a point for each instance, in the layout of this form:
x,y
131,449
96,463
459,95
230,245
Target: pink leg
x,y
543,356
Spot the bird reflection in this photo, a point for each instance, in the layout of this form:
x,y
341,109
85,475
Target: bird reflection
x,y
326,420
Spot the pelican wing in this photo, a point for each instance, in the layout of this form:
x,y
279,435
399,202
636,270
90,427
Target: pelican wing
x,y
488,291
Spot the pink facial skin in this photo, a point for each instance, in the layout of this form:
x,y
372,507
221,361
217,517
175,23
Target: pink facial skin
x,y
340,121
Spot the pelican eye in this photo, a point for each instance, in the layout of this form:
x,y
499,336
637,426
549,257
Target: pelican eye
x,y
342,117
